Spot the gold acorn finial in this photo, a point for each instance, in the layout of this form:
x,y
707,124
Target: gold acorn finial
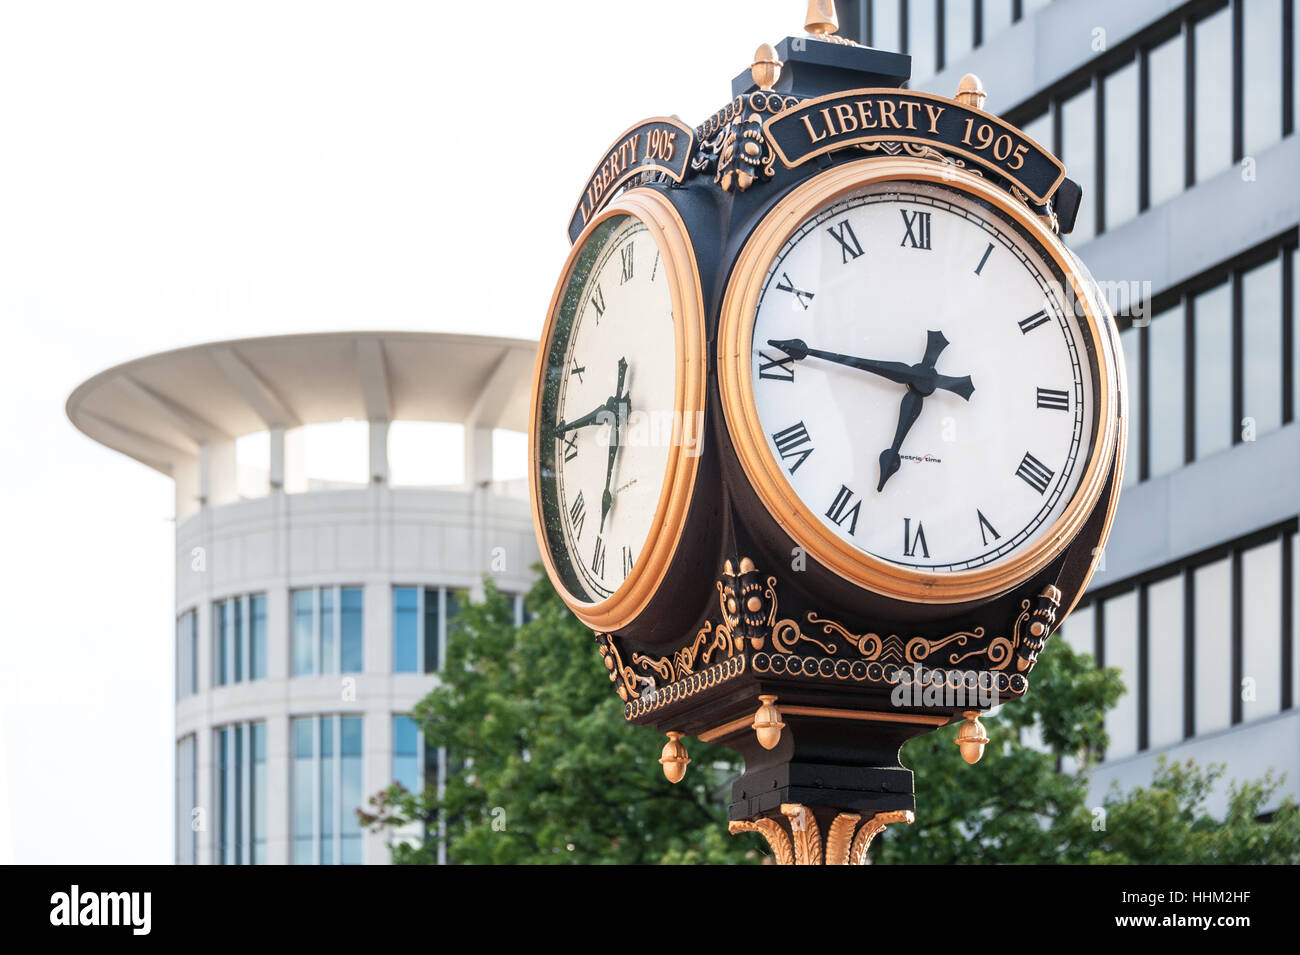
x,y
970,91
971,738
767,723
673,758
766,68
821,19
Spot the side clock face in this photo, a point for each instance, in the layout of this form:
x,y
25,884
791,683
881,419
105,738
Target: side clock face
x,y
605,453
923,389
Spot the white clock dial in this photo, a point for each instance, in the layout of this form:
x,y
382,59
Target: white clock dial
x,y
610,382
922,381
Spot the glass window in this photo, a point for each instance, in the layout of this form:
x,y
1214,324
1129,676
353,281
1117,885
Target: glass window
x,y
1079,153
1295,322
1165,660
1121,651
1166,114
1028,7
257,635
1079,633
1121,145
1213,639
406,754
1039,129
328,658
257,813
304,644
350,789
1166,391
958,30
1262,74
1213,91
1261,628
885,26
1261,339
432,646
1131,342
221,643
240,794
327,789
351,637
187,773
921,41
1212,321
187,654
406,630
304,792
997,17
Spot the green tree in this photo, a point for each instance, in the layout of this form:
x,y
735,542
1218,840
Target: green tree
x,y
549,772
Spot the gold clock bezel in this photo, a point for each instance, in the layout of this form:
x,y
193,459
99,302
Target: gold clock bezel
x,y
735,341
677,259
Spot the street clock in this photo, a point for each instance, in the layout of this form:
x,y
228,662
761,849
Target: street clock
x,y
827,428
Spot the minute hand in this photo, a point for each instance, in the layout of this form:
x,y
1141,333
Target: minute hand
x,y
921,378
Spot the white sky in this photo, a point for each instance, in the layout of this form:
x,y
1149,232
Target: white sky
x,y
176,172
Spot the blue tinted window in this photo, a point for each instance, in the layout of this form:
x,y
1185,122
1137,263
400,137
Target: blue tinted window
x,y
1213,90
351,630
406,630
328,653
1167,117
304,632
1212,330
257,639
1261,339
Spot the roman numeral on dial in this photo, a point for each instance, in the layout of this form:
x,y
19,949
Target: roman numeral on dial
x,y
628,560
841,511
984,258
912,541
791,442
985,525
1027,325
598,557
598,303
802,297
1053,400
918,229
577,515
570,445
628,261
780,369
850,247
576,369
1034,473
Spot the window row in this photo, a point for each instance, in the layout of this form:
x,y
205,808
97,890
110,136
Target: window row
x,y
327,633
1171,108
1200,649
1215,369
934,32
239,644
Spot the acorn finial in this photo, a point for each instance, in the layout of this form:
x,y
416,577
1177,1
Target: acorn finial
x,y
971,738
821,19
970,91
766,68
673,758
767,723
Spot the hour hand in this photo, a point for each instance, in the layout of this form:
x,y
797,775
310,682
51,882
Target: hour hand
x,y
592,417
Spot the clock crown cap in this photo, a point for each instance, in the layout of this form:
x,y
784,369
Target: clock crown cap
x,y
970,91
766,68
821,19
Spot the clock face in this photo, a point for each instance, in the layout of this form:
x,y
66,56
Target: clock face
x,y
609,387
923,385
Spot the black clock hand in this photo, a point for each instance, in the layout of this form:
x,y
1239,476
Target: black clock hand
x,y
921,377
619,399
592,417
908,412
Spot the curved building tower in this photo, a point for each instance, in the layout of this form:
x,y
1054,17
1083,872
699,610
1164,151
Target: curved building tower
x,y
312,611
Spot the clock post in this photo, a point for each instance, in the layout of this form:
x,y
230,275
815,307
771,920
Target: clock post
x,y
827,429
